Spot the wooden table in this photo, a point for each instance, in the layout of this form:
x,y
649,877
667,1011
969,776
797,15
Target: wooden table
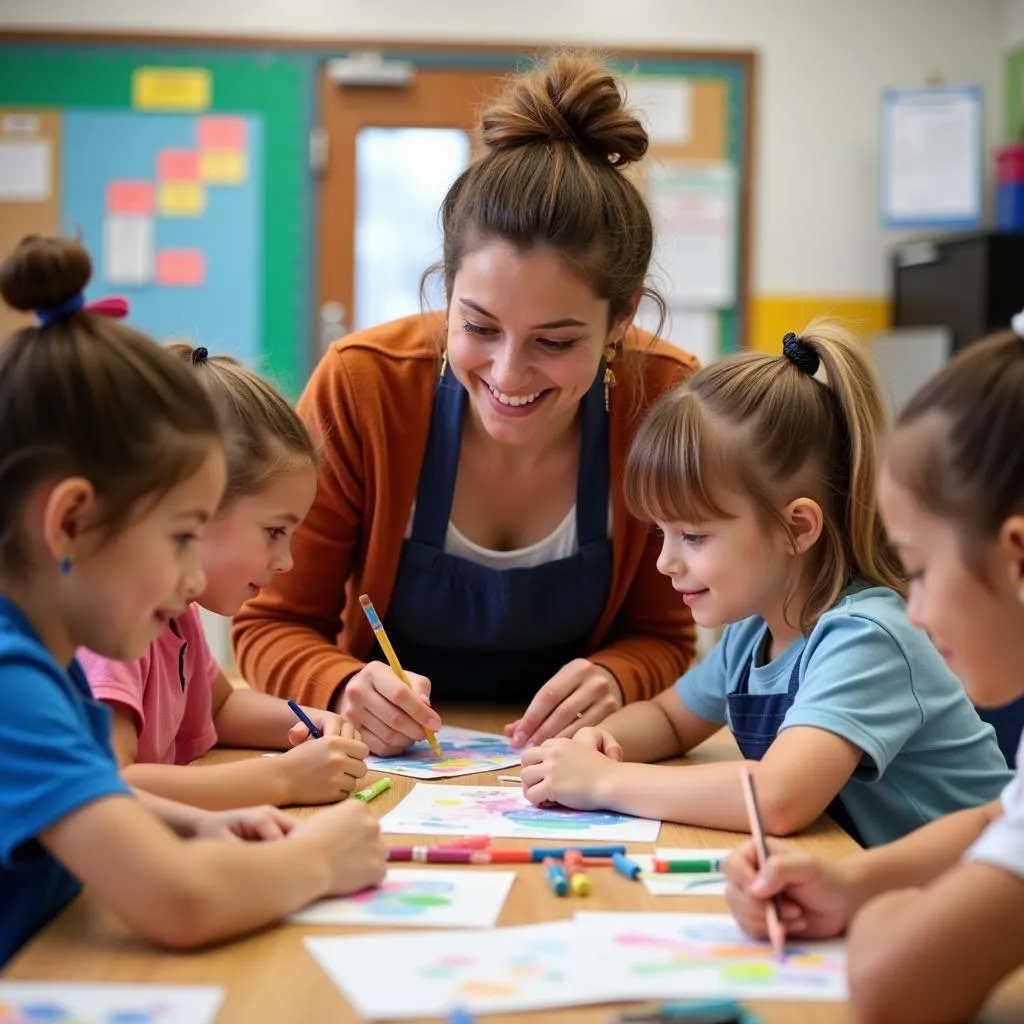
x,y
269,977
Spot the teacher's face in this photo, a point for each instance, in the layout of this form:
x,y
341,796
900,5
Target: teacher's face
x,y
525,339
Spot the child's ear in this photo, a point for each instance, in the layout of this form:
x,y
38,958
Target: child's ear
x,y
803,517
1011,543
65,515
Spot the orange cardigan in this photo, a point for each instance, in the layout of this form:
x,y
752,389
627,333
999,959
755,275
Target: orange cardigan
x,y
370,399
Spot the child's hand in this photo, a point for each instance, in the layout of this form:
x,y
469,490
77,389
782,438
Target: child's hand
x,y
322,771
347,838
601,740
565,772
250,823
815,902
327,722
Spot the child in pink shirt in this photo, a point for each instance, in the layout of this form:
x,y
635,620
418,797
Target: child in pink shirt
x,y
174,704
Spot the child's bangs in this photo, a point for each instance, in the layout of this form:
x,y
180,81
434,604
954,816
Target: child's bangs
x,y
675,455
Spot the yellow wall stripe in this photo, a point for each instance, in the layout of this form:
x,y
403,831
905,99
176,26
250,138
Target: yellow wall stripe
x,y
773,315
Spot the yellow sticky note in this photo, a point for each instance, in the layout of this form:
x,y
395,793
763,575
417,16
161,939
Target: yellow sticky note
x,y
180,199
223,166
171,88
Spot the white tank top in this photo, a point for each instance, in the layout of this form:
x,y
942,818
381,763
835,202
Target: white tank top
x,y
560,543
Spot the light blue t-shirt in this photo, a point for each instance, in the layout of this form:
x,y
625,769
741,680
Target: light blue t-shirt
x,y
868,675
55,757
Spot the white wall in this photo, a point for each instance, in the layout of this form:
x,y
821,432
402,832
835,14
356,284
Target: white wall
x,y
823,66
1011,24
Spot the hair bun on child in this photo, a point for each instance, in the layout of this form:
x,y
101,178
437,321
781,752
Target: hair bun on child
x,y
572,99
42,274
800,354
199,356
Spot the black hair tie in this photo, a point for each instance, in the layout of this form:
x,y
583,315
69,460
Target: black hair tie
x,y
199,356
800,354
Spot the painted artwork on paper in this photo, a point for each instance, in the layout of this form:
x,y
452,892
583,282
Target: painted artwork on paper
x,y
504,812
494,971
419,898
652,955
466,752
58,1003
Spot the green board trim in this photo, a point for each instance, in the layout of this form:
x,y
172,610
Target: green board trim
x,y
277,87
1014,97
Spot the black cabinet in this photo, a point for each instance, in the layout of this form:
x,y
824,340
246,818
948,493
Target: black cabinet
x,y
970,284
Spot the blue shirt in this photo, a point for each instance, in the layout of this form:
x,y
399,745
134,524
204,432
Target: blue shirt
x,y
55,757
869,676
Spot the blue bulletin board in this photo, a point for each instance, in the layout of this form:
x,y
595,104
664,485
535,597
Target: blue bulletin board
x,y
183,249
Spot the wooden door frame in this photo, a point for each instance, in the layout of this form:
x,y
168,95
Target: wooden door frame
x,y
323,48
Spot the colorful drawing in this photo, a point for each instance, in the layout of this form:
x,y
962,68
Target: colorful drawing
x,y
499,970
419,897
647,956
504,811
58,1003
466,752
710,884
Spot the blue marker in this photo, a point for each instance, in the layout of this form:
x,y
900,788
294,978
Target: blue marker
x,y
305,720
558,879
460,1016
539,853
625,867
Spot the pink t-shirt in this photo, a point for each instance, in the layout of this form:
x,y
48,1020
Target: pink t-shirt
x,y
170,689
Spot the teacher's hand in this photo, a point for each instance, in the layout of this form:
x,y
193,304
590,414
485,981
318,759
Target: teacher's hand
x,y
389,715
579,694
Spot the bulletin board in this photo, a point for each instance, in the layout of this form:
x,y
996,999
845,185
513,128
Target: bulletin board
x,y
184,175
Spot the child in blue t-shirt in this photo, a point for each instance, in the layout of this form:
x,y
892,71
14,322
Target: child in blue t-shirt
x,y
111,461
761,477
935,921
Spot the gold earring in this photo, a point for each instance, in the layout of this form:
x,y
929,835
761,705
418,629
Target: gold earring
x,y
444,365
609,383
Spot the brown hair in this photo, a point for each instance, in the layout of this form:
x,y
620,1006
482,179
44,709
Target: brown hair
x,y
85,395
765,427
554,148
964,461
268,438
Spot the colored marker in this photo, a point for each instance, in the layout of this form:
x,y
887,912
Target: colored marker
x,y
776,931
430,855
301,715
498,856
367,794
704,1011
467,843
460,1016
396,666
579,883
510,778
626,867
557,878
539,853
687,867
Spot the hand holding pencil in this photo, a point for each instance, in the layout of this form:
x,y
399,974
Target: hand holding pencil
x,y
389,652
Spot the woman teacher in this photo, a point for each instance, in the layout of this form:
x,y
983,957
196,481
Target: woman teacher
x,y
472,473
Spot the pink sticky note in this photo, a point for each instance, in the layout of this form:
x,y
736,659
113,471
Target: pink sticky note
x,y
221,133
177,165
180,268
130,197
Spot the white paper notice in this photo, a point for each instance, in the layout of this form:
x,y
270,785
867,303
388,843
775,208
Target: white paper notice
x,y
128,249
932,156
25,170
665,105
695,220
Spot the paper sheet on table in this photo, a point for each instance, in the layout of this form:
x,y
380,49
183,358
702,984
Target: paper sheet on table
x,y
466,752
88,1003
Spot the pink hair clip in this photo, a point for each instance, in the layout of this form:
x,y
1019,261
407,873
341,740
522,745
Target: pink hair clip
x,y
114,306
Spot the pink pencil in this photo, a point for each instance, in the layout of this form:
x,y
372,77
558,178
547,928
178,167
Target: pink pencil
x,y
776,932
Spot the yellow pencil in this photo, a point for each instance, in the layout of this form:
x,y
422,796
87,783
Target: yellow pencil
x,y
389,652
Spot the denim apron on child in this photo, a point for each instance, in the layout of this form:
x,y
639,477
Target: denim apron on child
x,y
755,720
497,635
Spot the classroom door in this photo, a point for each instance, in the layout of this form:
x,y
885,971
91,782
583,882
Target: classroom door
x,y
392,153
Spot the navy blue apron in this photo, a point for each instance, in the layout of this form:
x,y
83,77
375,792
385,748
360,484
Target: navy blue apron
x,y
755,720
497,635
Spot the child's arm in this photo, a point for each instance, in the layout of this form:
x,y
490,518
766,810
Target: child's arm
x,y
247,718
184,894
707,795
316,772
650,730
256,823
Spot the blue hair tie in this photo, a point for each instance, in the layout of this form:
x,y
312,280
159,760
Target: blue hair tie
x,y
65,309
